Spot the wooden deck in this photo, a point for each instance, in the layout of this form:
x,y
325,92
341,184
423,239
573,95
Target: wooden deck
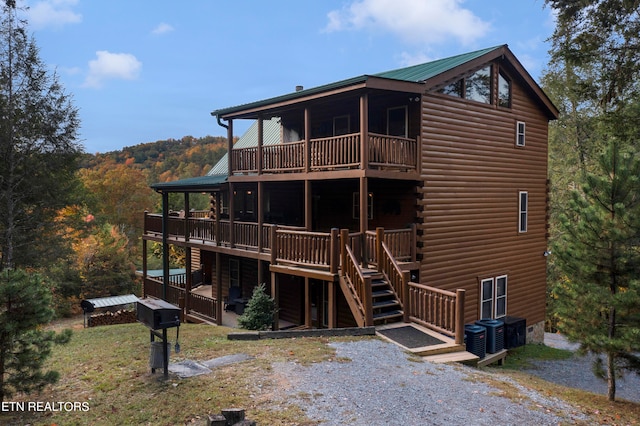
x,y
343,152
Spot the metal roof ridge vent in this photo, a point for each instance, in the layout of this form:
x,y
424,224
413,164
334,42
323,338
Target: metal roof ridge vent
x,y
299,88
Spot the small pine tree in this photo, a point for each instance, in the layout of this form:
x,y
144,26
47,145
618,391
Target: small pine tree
x,y
260,310
25,306
597,301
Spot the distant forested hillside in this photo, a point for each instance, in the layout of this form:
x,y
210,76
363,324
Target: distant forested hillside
x,y
164,160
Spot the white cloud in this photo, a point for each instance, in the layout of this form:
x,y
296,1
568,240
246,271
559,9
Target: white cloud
x,y
109,66
407,59
52,13
416,21
162,28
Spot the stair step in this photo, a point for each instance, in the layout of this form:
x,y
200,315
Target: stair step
x,y
445,358
386,304
387,315
381,293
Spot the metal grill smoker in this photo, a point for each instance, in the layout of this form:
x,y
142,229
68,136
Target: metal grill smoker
x,y
157,315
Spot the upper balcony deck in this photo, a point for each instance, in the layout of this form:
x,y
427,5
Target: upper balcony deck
x,y
344,152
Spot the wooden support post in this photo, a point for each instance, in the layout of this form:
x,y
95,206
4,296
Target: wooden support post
x,y
232,209
307,140
144,263
189,280
183,308
260,141
218,289
414,242
406,300
364,131
218,217
260,211
368,302
274,244
332,314
275,296
308,205
334,251
344,240
459,316
307,303
165,244
230,148
187,224
364,217
379,253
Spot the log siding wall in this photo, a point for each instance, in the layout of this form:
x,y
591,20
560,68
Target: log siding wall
x,y
472,173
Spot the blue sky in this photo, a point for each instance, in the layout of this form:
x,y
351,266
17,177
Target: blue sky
x,y
146,70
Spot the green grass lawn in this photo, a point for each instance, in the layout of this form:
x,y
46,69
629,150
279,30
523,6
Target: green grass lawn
x,y
108,369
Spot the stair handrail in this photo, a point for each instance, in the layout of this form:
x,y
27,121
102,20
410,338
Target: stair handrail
x,y
356,286
395,276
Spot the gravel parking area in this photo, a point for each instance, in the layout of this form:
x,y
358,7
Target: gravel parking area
x,y
372,382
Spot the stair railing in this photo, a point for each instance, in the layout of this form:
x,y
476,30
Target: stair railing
x,y
395,276
356,287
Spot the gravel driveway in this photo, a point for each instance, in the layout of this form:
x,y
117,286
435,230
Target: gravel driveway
x,y
397,388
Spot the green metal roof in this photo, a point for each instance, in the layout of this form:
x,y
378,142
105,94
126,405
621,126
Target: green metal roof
x,y
422,72
270,136
196,184
412,74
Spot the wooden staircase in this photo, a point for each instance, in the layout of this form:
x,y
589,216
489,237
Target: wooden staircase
x,y
386,306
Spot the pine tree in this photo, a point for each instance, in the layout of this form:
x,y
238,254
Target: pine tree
x,y
25,306
598,300
259,313
38,149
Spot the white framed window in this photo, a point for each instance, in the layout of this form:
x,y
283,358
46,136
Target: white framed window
x,y
493,297
520,133
486,298
500,306
523,210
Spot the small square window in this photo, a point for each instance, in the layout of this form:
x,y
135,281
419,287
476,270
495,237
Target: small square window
x,y
520,133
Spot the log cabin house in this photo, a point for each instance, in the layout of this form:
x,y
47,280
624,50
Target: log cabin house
x,y
418,195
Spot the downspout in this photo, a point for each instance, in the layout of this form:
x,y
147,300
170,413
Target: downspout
x,y
165,244
220,123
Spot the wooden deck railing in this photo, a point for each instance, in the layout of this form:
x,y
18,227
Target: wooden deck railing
x,y
440,310
335,152
288,157
396,277
392,151
308,249
294,244
245,160
202,305
401,244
